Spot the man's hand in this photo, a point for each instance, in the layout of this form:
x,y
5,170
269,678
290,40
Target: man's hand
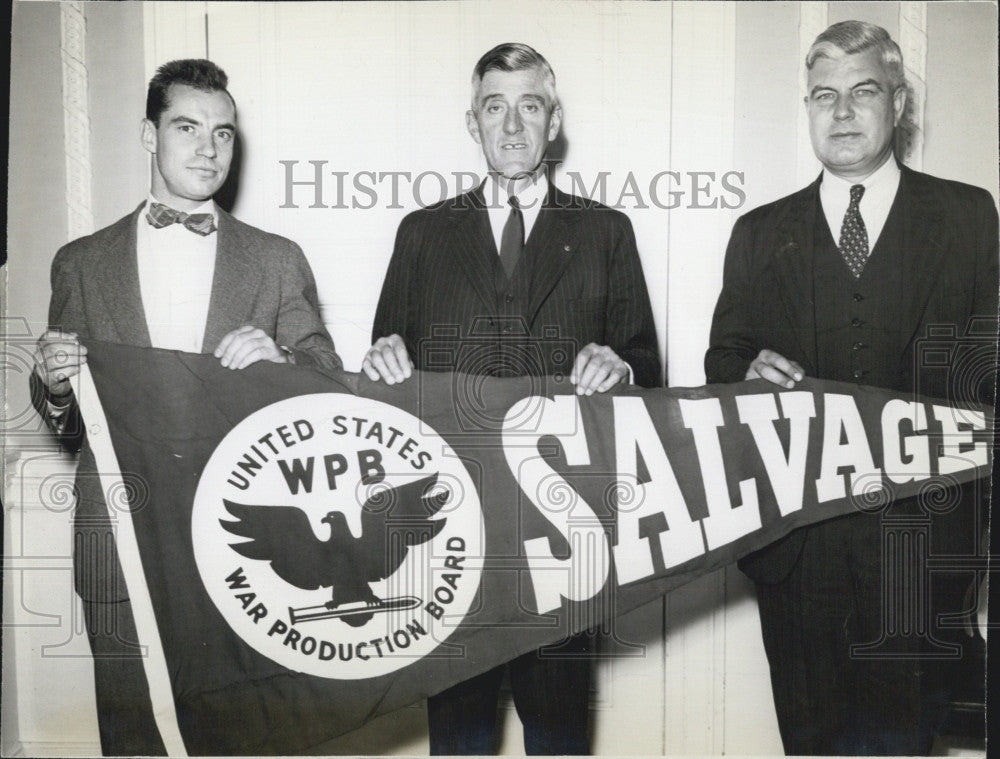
x,y
58,356
388,360
597,369
775,368
248,345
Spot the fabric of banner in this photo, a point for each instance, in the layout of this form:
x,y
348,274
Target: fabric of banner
x,y
321,549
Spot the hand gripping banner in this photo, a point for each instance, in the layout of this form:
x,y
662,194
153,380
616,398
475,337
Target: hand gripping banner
x,y
306,551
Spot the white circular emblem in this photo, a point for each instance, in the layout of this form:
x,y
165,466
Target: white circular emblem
x,y
338,536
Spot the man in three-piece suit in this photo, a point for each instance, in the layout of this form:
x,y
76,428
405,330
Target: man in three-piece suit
x,y
841,281
176,273
499,281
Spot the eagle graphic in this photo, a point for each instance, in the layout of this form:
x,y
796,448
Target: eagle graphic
x,y
392,520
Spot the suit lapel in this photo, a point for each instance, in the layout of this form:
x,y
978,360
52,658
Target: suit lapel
x,y
117,279
925,233
473,244
550,247
793,256
234,283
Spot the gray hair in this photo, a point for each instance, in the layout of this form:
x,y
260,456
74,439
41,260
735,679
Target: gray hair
x,y
849,37
514,56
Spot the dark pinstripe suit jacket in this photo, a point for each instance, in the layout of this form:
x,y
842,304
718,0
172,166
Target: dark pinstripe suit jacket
x,y
586,284
260,279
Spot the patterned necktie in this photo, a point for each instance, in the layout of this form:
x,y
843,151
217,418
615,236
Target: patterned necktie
x,y
160,216
512,239
853,235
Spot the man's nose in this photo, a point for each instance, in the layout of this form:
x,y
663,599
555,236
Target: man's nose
x,y
207,147
844,108
512,121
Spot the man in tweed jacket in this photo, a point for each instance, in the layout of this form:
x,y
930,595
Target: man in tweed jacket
x,y
177,273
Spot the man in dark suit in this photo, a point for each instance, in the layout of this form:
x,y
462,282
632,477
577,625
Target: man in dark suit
x,y
843,280
516,278
178,273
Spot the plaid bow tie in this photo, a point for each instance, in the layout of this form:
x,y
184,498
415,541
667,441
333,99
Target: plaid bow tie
x,y
160,216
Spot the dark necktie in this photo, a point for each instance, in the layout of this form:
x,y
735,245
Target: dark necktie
x,y
853,235
160,216
512,239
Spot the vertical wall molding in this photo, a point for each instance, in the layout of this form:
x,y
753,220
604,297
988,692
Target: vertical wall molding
x,y
813,19
76,119
702,104
703,89
173,30
913,44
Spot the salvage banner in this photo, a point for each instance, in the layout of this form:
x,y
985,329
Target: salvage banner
x,y
308,551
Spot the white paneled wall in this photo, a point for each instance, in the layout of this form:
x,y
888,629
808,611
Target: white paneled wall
x,y
44,637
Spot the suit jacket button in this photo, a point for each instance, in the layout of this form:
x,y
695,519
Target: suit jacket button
x,y
508,298
855,322
858,297
859,373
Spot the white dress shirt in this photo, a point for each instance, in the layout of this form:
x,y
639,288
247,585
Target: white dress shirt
x,y
530,199
176,269
880,191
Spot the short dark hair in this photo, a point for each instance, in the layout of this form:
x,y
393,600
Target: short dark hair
x,y
194,72
514,56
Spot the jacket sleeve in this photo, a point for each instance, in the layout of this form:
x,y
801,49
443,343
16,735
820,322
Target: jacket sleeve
x,y
987,284
629,320
67,315
300,326
732,345
396,312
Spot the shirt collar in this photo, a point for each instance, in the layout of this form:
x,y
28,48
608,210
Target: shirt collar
x,y
884,177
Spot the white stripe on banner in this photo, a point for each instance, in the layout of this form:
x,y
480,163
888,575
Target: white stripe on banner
x,y
155,663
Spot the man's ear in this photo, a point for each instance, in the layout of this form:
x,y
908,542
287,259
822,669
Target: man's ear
x,y
148,136
555,121
473,126
898,103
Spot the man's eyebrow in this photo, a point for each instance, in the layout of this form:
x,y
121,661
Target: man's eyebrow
x,y
500,95
866,83
195,122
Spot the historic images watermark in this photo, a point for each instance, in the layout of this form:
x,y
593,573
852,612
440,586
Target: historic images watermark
x,y
314,184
